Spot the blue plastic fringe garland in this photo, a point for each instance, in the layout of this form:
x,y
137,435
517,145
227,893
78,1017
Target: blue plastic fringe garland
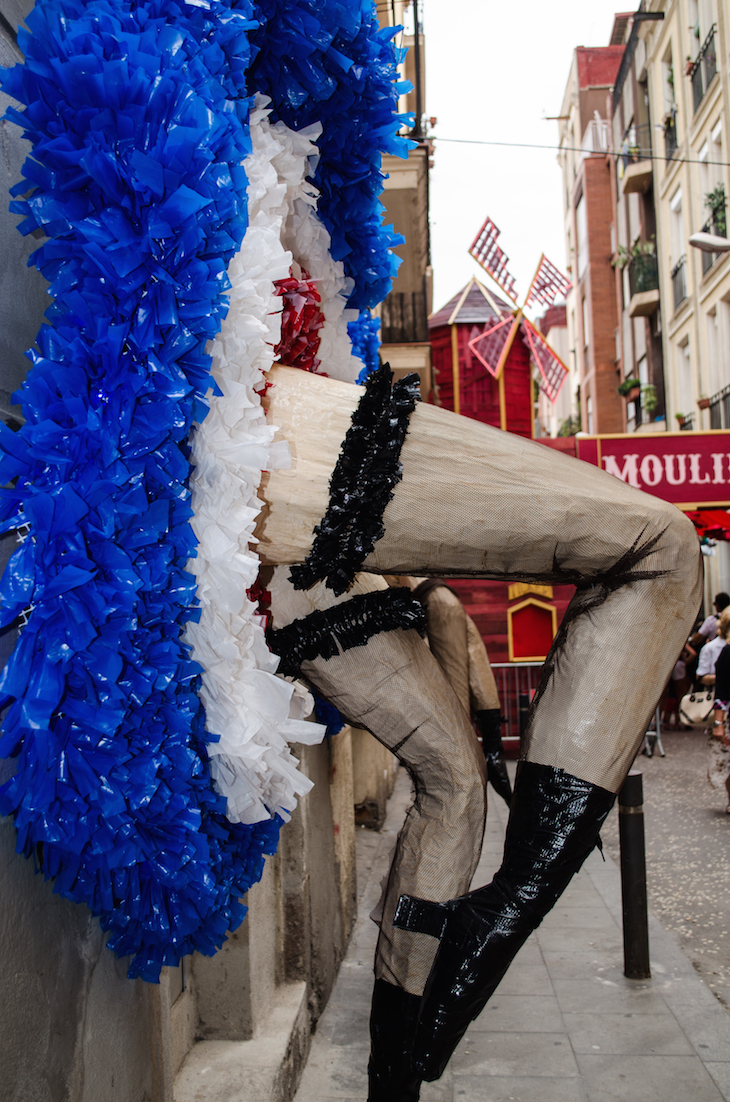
x,y
137,113
138,118
365,336
328,715
331,62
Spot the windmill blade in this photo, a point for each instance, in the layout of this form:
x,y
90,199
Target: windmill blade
x,y
548,284
487,252
552,370
489,344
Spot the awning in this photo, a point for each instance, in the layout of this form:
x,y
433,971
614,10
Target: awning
x,y
713,523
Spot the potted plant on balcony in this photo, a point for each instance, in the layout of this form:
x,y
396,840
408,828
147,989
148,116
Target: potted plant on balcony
x,y
641,258
703,402
630,388
680,419
688,66
649,398
716,203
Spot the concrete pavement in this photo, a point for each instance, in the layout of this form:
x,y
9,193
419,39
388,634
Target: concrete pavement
x,y
564,1026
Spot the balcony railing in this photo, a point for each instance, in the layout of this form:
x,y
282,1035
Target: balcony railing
x,y
688,423
720,409
643,275
704,69
670,136
679,282
635,145
404,318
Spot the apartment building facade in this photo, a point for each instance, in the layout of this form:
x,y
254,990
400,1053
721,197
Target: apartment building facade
x,y
634,236
588,213
687,82
405,311
664,147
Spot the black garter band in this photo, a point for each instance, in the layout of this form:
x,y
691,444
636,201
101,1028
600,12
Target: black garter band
x,y
365,475
351,624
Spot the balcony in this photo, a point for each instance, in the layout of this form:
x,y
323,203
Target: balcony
x,y
634,159
720,409
688,423
679,282
404,318
643,286
704,69
670,135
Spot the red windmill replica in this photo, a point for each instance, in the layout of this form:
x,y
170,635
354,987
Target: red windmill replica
x,y
481,370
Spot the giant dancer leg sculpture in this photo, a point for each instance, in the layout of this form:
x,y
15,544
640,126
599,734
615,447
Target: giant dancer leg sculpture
x,y
384,678
474,501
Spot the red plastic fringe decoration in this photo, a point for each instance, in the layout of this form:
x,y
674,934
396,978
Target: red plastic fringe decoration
x,y
301,321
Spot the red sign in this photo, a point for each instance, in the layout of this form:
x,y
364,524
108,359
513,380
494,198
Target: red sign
x,y
690,469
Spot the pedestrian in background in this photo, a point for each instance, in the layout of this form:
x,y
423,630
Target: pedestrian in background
x,y
708,658
718,769
678,684
707,630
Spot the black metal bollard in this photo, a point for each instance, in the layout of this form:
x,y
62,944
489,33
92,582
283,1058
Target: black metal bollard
x,y
523,710
633,878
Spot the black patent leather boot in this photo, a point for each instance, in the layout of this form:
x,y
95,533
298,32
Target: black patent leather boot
x,y
489,725
393,1019
554,824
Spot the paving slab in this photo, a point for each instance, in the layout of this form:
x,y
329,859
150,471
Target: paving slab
x,y
565,1025
647,1079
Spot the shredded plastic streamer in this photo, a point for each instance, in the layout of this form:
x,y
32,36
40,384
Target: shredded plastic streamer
x,y
367,470
325,632
138,119
331,63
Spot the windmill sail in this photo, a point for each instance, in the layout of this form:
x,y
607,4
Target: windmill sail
x,y
552,370
548,284
487,252
489,344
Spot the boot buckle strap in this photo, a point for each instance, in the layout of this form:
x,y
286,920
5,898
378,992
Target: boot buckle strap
x,y
421,916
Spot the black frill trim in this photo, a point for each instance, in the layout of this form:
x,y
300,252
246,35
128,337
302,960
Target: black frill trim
x,y
362,483
325,633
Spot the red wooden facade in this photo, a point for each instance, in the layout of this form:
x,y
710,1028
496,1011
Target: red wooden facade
x,y
463,318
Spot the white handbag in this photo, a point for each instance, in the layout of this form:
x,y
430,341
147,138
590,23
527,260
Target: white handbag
x,y
695,708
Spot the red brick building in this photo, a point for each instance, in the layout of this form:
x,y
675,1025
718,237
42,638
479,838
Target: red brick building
x,y
588,206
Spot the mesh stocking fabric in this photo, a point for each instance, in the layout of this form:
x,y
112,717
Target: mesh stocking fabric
x,y
503,507
474,501
393,687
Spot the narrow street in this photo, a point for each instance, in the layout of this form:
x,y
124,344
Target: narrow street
x,y
688,854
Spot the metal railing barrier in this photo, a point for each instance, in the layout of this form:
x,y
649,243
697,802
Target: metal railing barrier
x,y
515,680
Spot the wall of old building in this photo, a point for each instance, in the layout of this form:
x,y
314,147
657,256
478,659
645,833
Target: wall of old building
x,y
73,1028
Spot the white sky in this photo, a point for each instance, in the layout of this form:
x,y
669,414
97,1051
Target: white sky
x,y
493,70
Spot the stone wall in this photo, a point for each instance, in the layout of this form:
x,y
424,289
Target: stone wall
x,y
73,1028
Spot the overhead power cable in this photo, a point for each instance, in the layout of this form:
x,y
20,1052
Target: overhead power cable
x,y
576,149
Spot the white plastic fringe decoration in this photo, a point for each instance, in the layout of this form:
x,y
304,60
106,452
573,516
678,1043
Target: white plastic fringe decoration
x,y
309,242
255,713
